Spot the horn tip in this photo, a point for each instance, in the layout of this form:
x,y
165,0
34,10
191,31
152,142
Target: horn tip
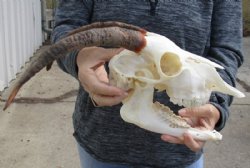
x,y
11,97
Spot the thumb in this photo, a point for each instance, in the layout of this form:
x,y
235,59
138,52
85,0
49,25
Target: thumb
x,y
193,112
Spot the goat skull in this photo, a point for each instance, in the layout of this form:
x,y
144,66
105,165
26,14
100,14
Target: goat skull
x,y
187,78
161,65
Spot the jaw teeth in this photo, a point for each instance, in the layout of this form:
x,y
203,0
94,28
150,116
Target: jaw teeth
x,y
188,103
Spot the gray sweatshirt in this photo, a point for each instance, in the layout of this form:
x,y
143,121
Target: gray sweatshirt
x,y
210,28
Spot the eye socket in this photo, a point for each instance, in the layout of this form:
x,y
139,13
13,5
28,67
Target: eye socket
x,y
170,64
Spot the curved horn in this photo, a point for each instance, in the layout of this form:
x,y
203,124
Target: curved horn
x,y
105,34
107,24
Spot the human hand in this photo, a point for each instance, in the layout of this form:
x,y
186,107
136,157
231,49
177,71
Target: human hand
x,y
94,78
204,117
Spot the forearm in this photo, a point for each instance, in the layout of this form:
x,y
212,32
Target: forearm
x,y
225,49
70,14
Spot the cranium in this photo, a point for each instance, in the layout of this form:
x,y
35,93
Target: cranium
x,y
187,78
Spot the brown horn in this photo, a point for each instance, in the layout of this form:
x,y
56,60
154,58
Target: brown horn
x,y
107,24
107,34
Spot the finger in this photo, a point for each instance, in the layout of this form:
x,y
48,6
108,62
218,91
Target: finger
x,y
192,144
97,66
107,100
92,84
201,111
192,121
205,123
102,88
108,53
93,57
171,139
112,51
102,74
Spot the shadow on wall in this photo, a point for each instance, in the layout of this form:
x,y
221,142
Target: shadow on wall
x,y
246,17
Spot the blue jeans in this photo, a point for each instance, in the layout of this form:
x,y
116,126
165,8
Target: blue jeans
x,y
88,161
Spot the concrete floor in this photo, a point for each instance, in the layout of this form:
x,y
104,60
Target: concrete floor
x,y
36,131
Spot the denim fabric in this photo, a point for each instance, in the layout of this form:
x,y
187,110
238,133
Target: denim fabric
x,y
87,161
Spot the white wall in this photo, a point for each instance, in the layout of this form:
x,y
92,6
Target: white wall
x,y
20,36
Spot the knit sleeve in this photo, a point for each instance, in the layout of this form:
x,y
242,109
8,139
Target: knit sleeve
x,y
70,14
225,49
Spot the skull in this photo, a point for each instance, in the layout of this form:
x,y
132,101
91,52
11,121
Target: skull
x,y
188,80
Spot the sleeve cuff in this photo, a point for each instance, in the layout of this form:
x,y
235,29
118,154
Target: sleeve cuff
x,y
68,64
220,102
